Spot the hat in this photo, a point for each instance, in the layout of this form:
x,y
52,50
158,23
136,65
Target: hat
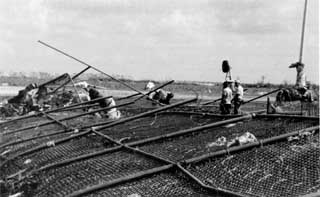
x,y
237,81
296,65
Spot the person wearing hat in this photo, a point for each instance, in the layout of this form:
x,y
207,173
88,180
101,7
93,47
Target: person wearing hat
x,y
113,113
225,105
159,95
309,94
301,77
238,96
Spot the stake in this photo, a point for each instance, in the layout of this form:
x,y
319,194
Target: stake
x,y
303,29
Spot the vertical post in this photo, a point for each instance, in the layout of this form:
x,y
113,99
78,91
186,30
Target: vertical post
x,y
268,105
303,29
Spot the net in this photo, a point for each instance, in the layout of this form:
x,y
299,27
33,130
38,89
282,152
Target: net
x,y
163,184
157,125
282,169
64,180
55,153
198,143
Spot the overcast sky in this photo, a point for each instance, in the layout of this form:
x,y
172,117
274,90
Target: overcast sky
x,y
161,39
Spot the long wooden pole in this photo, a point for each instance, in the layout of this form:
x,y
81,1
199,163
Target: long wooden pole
x,y
98,70
88,65
303,29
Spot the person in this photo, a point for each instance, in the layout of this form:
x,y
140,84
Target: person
x,y
225,105
301,78
109,102
309,94
238,97
159,95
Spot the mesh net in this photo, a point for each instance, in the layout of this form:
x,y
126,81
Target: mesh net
x,y
23,146
62,181
195,144
304,108
310,109
163,184
282,169
157,125
55,153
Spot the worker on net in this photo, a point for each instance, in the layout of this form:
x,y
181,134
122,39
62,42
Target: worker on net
x,y
238,96
225,105
301,78
159,95
109,102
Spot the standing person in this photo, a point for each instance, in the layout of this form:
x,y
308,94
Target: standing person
x,y
238,97
301,78
225,105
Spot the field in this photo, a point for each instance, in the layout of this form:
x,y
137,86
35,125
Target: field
x,y
160,151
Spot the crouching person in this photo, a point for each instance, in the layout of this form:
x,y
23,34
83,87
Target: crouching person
x,y
113,113
161,96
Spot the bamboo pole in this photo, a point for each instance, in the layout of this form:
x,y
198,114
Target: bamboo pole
x,y
219,99
94,68
122,180
137,94
67,118
303,29
146,114
271,92
215,191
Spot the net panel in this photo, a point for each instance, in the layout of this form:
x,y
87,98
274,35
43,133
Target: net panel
x,y
196,144
162,184
282,169
56,153
310,109
22,123
64,180
34,132
157,125
23,146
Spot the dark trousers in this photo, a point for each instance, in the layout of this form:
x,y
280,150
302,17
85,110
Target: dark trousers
x,y
225,108
237,104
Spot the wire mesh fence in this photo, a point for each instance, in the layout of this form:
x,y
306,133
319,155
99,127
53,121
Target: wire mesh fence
x,y
195,144
157,125
54,153
64,180
162,184
310,109
281,169
280,160
23,146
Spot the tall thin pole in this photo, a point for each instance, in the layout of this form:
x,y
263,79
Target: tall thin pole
x,y
96,69
303,29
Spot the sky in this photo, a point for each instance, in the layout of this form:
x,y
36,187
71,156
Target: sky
x,y
161,39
